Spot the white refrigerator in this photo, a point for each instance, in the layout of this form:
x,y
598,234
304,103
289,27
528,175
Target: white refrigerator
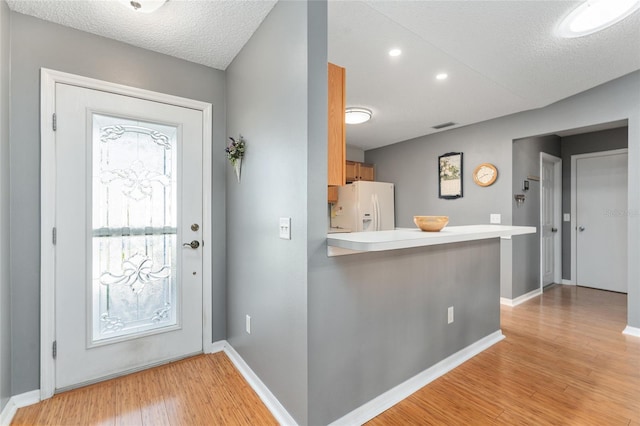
x,y
364,206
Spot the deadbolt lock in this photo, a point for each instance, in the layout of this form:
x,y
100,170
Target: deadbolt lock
x,y
195,227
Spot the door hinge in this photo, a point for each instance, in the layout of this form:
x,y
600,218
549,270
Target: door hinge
x,y
54,122
54,236
54,349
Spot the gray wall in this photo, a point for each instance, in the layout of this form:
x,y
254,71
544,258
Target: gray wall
x,y
276,98
35,44
582,144
412,165
378,319
355,154
526,162
5,314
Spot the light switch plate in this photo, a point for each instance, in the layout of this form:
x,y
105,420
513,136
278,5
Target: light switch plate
x,y
495,218
567,217
285,228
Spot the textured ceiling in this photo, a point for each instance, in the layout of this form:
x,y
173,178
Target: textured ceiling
x,y
208,32
501,56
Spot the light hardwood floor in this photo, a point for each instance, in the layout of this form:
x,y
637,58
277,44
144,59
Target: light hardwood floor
x,y
565,361
203,390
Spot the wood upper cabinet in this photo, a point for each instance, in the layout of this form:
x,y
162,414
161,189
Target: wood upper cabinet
x,y
337,126
332,194
359,171
351,171
367,172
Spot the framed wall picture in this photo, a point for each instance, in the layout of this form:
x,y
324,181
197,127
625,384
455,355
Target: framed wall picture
x,y
450,175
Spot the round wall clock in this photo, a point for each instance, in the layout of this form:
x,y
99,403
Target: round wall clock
x,y
485,174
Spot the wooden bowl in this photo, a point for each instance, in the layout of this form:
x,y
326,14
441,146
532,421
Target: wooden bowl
x,y
431,223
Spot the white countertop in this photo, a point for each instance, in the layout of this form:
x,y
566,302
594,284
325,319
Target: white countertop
x,y
400,238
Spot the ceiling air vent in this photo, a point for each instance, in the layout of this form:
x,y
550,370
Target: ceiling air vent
x,y
443,125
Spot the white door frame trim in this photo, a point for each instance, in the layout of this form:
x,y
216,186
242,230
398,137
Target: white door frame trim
x,y
48,80
574,202
557,217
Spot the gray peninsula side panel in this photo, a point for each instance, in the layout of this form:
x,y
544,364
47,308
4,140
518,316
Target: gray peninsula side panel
x,y
378,319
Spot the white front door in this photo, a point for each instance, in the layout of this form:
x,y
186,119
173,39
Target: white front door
x,y
601,207
549,218
128,284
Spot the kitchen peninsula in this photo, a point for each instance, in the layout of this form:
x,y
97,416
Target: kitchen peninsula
x,y
401,238
403,308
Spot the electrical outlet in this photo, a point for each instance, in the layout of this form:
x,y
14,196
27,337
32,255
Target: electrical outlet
x,y
450,315
247,324
285,228
567,217
495,218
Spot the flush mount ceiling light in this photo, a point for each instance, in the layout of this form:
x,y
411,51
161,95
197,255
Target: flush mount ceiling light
x,y
144,6
595,15
354,115
395,52
442,76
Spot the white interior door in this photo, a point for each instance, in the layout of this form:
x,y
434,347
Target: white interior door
x,y
601,208
549,218
128,286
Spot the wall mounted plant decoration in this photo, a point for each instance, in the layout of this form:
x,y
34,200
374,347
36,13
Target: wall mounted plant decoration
x,y
235,151
450,175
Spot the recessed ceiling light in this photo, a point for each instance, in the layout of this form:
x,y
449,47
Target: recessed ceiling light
x,y
395,52
595,15
353,115
144,6
442,76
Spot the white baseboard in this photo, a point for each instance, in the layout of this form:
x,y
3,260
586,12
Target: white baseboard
x,y
520,299
18,401
27,398
6,416
269,399
567,282
390,398
632,331
215,347
506,302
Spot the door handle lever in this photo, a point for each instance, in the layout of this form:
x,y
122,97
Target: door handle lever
x,y
193,244
554,229
581,228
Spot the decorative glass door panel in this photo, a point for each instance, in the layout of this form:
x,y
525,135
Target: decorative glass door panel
x,y
128,293
134,227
